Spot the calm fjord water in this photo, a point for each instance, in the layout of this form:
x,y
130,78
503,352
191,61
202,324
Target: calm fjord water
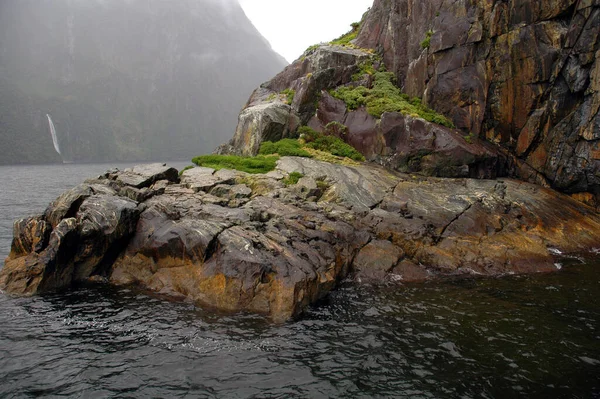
x,y
528,336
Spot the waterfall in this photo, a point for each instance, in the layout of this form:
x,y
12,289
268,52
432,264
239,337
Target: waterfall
x,y
53,133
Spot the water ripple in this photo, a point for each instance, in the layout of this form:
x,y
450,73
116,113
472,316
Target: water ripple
x,y
521,336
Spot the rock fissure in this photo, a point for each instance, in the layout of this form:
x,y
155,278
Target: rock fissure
x,y
440,236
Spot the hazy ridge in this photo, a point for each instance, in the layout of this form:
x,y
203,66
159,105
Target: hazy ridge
x,y
125,80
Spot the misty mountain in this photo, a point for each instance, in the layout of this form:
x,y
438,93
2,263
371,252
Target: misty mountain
x,y
125,79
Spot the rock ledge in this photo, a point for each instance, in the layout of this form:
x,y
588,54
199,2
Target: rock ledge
x,y
234,241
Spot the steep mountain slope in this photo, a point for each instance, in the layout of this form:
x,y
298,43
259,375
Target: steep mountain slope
x,y
125,79
522,74
520,81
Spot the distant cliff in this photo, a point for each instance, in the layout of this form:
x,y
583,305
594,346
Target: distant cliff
x,y
125,80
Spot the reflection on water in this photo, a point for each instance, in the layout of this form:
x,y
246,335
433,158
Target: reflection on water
x,y
530,336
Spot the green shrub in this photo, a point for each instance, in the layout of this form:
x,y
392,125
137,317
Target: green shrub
x,y
307,134
259,164
385,96
346,38
427,41
290,94
293,178
336,129
354,97
330,144
285,148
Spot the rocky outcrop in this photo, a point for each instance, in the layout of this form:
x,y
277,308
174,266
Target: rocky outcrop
x,y
411,144
519,79
270,121
277,108
81,233
522,74
300,96
233,241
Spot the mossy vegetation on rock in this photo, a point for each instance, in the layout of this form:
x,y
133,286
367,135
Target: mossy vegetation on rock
x,y
347,37
311,144
385,96
293,178
331,144
259,164
289,95
310,139
285,147
427,41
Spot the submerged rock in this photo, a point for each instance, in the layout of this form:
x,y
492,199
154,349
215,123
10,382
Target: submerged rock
x,y
247,242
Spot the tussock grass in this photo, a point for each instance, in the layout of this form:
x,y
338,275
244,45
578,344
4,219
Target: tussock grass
x,y
253,165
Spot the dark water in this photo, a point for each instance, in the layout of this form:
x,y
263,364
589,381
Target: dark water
x,y
534,336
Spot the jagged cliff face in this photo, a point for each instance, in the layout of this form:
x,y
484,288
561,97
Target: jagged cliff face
x,y
520,80
125,79
522,74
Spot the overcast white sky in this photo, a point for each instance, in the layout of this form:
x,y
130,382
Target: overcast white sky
x,y
291,25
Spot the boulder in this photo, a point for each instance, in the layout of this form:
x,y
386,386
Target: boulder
x,y
145,175
76,248
263,122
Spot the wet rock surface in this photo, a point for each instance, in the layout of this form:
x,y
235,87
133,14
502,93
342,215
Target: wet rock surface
x,y
519,79
521,74
404,143
249,243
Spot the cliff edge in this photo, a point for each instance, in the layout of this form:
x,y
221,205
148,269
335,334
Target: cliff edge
x,y
518,80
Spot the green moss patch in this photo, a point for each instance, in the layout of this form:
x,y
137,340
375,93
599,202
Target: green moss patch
x,y
284,148
254,165
293,178
427,41
385,96
289,95
346,38
330,144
